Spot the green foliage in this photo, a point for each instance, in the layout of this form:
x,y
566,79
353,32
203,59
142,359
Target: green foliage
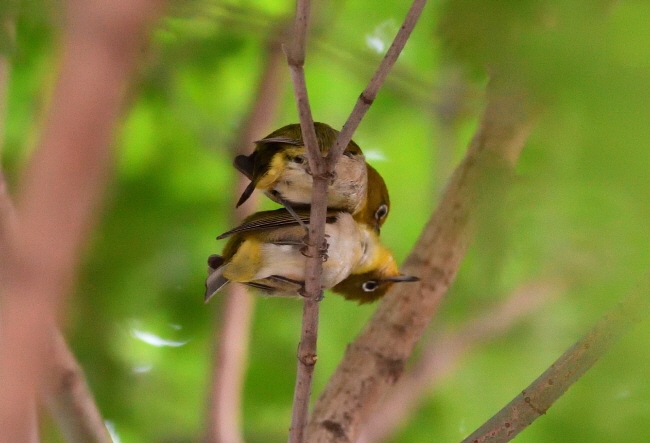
x,y
577,212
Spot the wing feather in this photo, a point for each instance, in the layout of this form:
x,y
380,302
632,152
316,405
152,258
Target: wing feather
x,y
273,219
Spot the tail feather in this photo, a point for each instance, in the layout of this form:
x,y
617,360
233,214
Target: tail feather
x,y
215,280
247,193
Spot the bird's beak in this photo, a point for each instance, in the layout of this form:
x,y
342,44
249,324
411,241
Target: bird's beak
x,y
402,278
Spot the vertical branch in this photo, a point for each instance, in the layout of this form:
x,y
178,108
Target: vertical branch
x,y
224,420
61,190
70,401
314,266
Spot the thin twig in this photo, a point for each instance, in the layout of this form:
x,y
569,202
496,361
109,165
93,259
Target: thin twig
x,y
60,191
375,360
369,94
444,353
224,420
314,266
537,398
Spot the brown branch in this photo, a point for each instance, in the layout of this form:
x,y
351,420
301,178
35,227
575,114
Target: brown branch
x,y
224,421
60,191
369,94
375,360
537,398
71,403
314,266
444,353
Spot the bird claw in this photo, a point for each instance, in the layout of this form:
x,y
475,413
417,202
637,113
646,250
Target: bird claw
x,y
322,251
330,176
303,293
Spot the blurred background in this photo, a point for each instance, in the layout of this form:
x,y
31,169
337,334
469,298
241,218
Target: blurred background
x,y
576,220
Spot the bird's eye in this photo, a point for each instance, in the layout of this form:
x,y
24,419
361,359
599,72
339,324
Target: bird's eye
x,y
381,212
297,159
369,286
349,154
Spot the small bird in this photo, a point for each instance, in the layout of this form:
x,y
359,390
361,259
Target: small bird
x,y
279,167
265,252
375,273
293,189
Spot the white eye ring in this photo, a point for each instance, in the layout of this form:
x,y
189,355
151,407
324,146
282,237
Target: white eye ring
x,y
381,212
369,286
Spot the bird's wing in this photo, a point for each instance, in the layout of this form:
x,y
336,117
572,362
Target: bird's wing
x,y
273,219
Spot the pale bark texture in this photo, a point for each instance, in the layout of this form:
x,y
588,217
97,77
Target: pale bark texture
x,y
60,192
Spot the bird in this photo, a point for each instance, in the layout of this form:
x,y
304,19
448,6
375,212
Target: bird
x,y
375,273
266,252
289,181
278,166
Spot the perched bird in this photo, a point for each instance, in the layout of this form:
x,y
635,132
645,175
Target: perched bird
x,y
279,167
265,252
289,181
374,274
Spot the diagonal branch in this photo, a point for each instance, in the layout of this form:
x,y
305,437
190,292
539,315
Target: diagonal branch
x,y
535,400
375,360
369,94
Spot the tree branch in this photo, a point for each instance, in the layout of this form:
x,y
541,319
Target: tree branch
x,y
566,370
61,189
443,354
314,266
224,421
375,360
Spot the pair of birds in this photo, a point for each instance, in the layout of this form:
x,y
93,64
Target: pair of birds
x,y
267,251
